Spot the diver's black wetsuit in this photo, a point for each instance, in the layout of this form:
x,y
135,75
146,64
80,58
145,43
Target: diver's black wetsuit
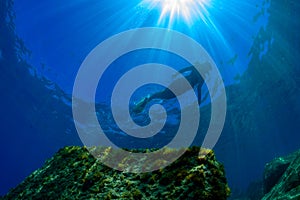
x,y
194,78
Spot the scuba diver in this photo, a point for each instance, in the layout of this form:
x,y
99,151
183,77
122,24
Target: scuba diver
x,y
190,74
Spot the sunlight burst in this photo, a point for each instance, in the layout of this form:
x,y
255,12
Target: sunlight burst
x,y
188,10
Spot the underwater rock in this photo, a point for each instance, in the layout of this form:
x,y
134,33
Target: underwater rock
x,y
282,178
73,173
275,169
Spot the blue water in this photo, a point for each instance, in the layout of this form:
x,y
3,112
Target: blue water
x,y
254,43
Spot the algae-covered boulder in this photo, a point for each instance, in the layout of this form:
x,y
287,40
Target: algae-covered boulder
x,y
73,173
282,178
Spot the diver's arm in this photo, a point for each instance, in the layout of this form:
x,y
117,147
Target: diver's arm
x,y
205,97
200,95
184,70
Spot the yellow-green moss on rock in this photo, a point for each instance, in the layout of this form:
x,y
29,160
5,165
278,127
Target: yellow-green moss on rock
x,y
72,173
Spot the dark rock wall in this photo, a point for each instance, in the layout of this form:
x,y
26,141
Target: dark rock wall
x,y
263,109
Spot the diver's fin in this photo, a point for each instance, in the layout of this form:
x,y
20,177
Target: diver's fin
x,y
139,106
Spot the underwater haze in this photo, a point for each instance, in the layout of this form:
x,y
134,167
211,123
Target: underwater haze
x,y
255,45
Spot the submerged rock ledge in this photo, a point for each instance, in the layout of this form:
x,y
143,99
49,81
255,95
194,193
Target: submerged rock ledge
x,y
282,178
73,173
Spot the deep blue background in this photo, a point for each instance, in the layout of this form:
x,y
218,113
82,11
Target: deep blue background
x,y
262,82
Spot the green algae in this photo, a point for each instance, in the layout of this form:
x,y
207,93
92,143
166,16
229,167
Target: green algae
x,y
73,173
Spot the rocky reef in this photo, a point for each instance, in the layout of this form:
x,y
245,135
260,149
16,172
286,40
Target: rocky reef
x,y
282,178
281,181
73,173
